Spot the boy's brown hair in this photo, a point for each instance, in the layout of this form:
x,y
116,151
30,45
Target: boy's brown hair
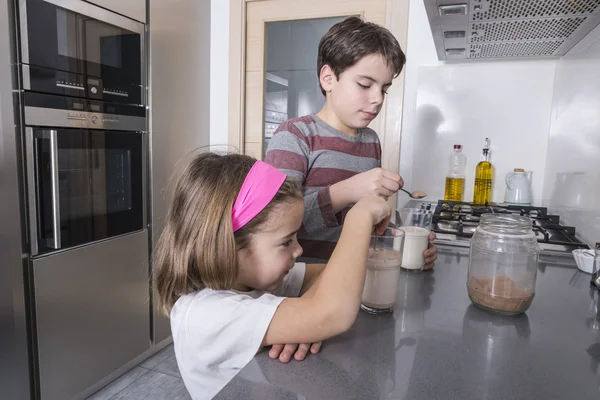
x,y
198,248
353,38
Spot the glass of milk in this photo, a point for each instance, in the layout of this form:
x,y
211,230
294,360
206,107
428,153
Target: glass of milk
x,y
383,271
416,224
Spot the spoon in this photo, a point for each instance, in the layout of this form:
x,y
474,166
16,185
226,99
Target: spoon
x,y
417,194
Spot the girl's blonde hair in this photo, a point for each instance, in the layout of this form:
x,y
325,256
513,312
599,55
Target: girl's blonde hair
x,y
198,247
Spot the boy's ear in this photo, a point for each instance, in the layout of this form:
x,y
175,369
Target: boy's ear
x,y
327,78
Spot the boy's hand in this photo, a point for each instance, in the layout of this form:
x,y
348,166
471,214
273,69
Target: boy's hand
x,y
376,182
284,353
431,253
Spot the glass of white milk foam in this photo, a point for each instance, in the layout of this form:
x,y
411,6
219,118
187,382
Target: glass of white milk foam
x,y
383,271
416,224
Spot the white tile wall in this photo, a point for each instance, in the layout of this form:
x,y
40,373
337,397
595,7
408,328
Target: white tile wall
x,y
541,115
447,103
572,183
464,103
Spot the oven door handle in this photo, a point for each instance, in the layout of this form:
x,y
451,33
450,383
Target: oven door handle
x,y
54,183
34,188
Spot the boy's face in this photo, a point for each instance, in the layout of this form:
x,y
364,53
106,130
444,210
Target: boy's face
x,y
357,95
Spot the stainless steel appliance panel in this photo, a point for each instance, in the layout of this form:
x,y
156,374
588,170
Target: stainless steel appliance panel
x,y
14,358
37,116
91,313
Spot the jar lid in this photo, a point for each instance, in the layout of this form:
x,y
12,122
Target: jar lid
x,y
519,170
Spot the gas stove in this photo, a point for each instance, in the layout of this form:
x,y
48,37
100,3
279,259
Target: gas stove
x,y
455,222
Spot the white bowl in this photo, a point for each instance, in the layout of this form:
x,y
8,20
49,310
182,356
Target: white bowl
x,y
584,259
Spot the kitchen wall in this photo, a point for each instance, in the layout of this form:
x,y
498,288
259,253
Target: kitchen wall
x,y
541,115
219,72
179,79
179,102
572,182
447,103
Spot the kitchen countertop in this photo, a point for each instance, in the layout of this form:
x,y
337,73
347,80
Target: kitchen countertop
x,y
437,345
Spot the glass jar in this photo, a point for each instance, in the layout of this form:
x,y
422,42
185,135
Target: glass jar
x,y
383,271
503,264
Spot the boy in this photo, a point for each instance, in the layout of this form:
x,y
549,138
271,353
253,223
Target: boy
x,y
333,153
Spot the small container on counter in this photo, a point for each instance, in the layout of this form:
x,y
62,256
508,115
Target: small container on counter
x,y
383,271
503,264
595,282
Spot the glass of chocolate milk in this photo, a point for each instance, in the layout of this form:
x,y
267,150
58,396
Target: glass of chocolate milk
x,y
383,271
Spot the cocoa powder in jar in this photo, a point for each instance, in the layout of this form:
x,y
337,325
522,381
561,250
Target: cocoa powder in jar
x,y
499,293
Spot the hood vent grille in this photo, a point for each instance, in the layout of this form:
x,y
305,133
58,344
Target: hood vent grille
x,y
504,50
516,9
511,28
531,29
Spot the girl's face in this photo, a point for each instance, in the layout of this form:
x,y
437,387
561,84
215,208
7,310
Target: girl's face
x,y
272,251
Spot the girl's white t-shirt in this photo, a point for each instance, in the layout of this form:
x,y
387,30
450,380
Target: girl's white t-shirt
x,y
217,332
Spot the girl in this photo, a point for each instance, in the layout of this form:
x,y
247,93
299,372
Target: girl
x,y
225,271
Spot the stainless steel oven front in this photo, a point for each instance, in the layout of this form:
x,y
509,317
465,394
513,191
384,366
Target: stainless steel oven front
x,y
74,48
86,170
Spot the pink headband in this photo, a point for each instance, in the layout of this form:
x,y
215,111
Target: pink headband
x,y
260,186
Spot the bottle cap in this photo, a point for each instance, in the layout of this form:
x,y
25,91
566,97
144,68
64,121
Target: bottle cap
x,y
457,146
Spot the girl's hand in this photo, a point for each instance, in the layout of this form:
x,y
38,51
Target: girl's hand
x,y
285,352
375,207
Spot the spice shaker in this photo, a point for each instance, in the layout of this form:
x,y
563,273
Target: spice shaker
x,y
595,282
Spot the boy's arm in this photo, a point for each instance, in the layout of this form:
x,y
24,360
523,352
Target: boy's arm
x,y
288,151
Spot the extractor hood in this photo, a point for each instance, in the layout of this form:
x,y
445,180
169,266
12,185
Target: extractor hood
x,y
501,29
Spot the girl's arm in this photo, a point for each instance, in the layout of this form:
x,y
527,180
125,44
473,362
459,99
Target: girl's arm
x,y
311,279
333,307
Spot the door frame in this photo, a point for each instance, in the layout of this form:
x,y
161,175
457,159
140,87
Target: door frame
x,y
390,134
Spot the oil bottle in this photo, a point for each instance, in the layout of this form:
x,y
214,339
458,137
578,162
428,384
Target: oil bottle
x,y
482,193
455,180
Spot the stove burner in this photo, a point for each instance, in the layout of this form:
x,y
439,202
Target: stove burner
x,y
459,220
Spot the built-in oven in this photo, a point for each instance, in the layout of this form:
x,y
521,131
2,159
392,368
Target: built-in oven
x,y
77,49
84,128
86,170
